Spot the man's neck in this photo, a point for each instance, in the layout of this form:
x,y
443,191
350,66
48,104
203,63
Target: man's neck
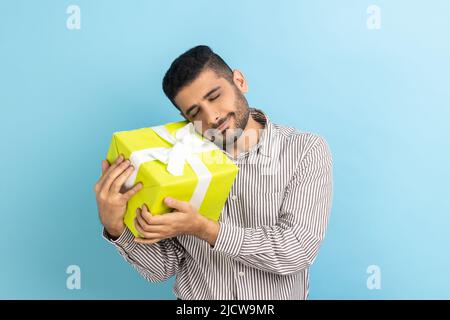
x,y
249,137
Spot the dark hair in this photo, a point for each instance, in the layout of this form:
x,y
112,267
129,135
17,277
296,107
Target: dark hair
x,y
188,66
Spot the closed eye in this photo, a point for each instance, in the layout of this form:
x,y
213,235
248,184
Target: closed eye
x,y
198,109
194,115
214,98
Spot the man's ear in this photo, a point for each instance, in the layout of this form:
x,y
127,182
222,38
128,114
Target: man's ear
x,y
239,81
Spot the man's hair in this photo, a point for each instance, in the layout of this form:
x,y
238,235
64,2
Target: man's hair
x,y
188,66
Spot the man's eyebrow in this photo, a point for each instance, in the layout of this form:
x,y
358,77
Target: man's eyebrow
x,y
210,92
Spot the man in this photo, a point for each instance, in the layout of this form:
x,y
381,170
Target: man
x,y
275,216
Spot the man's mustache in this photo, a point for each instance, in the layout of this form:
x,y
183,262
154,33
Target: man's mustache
x,y
222,121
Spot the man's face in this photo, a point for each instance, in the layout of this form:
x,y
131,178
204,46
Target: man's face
x,y
216,107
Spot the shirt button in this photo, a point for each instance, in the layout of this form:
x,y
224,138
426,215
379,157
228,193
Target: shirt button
x,y
233,197
241,273
126,244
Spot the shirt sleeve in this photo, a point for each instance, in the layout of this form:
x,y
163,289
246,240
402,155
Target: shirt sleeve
x,y
155,262
292,244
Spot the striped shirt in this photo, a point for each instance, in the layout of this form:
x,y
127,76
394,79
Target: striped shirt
x,y
271,226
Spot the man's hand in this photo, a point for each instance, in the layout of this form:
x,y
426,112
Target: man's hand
x,y
111,196
185,219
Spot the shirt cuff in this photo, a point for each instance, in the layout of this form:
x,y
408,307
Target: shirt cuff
x,y
124,242
229,239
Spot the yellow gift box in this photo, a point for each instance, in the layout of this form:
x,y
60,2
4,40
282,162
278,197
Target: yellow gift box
x,y
174,160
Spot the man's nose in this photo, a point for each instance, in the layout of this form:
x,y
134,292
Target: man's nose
x,y
213,117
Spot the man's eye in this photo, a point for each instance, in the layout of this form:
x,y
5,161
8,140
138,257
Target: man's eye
x,y
212,99
195,114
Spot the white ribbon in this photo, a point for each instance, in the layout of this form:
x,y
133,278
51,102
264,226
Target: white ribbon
x,y
186,145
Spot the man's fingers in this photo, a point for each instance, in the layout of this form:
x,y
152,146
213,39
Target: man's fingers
x,y
105,166
143,233
133,191
146,214
118,161
139,228
109,169
179,205
139,220
120,180
163,219
144,218
113,174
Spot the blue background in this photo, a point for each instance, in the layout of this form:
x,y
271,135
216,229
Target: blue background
x,y
379,97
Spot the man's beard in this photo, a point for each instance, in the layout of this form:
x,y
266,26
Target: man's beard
x,y
226,139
